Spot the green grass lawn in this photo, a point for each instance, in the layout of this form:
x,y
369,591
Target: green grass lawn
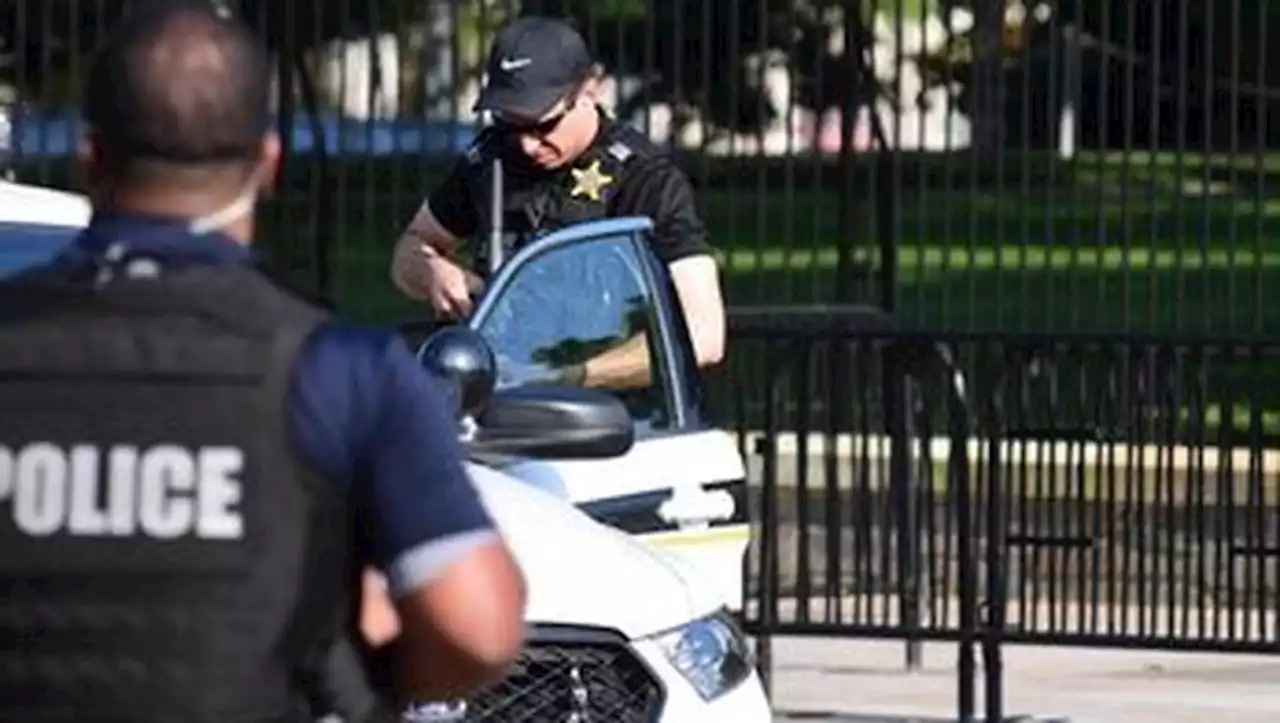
x,y
965,261
1018,241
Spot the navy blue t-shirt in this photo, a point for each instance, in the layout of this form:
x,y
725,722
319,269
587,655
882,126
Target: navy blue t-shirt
x,y
364,414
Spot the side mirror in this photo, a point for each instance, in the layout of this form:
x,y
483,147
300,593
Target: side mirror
x,y
463,358
554,423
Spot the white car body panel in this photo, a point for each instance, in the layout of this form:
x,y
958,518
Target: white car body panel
x,y
583,573
681,463
20,203
580,572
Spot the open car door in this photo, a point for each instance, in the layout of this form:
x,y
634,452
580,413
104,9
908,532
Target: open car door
x,y
596,288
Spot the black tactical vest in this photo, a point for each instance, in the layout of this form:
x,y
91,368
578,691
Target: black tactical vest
x,y
537,202
163,555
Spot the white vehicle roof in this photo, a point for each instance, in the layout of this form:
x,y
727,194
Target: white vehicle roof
x,y
20,203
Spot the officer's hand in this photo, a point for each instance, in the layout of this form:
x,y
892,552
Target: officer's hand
x,y
574,375
378,621
449,289
515,374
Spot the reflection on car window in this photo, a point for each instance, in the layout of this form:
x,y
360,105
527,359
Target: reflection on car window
x,y
567,306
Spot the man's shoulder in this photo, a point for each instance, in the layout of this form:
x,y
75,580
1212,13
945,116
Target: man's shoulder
x,y
644,160
348,382
340,348
484,147
625,143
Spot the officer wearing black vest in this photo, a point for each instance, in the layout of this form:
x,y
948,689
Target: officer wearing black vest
x,y
564,160
188,452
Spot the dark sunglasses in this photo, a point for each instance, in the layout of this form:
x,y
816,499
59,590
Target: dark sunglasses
x,y
543,127
540,128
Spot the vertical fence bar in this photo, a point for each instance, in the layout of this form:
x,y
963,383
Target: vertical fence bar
x,y
923,227
1130,48
786,115
46,72
850,95
839,363
898,388
1261,119
280,31
889,179
959,490
819,279
378,170
767,585
1023,268
1073,85
1155,107
760,119
1182,113
950,174
1053,145
1205,95
1234,50
1103,123
802,390
993,621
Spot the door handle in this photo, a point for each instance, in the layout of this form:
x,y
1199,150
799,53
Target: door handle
x,y
696,508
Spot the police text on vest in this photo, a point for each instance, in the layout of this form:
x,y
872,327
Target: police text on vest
x,y
164,492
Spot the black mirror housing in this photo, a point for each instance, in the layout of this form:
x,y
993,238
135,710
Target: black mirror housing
x,y
465,361
554,423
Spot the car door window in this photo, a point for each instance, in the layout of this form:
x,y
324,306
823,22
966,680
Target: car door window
x,y
573,303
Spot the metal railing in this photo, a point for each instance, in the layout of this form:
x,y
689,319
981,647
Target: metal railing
x,y
1098,490
983,165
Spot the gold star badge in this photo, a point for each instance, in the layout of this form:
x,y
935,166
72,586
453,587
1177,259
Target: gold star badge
x,y
589,181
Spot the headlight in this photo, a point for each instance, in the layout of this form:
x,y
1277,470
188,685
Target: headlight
x,y
711,653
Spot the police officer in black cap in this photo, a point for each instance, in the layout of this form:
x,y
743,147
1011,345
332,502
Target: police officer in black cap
x,y
564,160
187,451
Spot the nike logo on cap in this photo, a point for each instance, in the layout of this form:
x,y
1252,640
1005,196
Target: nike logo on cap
x,y
510,64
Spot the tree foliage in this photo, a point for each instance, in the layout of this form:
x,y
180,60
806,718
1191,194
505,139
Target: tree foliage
x,y
1198,62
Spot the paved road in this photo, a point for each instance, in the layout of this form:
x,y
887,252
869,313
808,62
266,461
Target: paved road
x,y
864,682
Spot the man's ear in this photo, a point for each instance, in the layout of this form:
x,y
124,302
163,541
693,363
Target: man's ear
x,y
89,158
269,153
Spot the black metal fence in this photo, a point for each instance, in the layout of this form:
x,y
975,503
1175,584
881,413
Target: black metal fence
x,y
994,489
976,165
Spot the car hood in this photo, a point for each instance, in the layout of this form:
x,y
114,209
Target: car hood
x,y
580,572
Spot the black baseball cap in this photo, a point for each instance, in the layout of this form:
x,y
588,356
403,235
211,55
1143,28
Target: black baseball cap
x,y
534,63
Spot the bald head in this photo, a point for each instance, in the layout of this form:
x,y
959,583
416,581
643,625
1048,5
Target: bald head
x,y
177,91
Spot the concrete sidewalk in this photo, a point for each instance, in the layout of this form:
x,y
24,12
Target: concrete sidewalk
x,y
865,681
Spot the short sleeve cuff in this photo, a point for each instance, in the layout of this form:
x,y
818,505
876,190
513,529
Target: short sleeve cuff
x,y
422,565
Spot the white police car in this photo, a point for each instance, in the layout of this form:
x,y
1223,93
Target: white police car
x,y
35,223
619,629
681,485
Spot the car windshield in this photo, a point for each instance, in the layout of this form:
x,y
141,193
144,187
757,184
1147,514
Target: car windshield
x,y
23,245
